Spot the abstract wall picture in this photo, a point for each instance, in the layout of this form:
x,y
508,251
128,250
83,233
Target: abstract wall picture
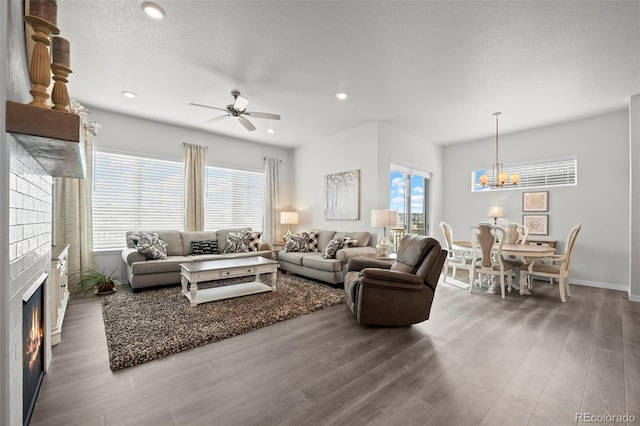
x,y
535,201
538,224
342,196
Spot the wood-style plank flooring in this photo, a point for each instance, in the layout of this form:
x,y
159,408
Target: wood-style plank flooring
x,y
479,360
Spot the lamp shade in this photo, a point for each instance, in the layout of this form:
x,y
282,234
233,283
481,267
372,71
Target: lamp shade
x,y
383,218
495,211
289,218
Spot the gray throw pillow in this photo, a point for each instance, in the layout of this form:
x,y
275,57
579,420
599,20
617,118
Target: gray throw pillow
x,y
236,243
151,246
332,248
296,242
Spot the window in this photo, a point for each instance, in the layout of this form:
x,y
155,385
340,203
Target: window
x,y
409,195
545,173
233,199
134,193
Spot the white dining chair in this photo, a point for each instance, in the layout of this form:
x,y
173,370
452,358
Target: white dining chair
x,y
556,266
456,259
483,238
515,233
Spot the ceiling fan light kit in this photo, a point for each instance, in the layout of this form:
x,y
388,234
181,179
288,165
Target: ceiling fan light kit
x,y
238,109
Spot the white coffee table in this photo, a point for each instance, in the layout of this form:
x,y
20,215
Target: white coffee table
x,y
193,273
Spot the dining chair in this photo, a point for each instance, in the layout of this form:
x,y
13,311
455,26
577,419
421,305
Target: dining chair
x,y
456,259
556,266
515,233
483,238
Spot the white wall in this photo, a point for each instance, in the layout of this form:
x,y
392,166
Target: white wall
x,y
600,201
399,147
634,195
370,148
349,150
137,136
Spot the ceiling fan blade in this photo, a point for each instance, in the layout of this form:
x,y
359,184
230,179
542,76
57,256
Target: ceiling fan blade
x,y
241,103
207,106
214,119
246,123
263,115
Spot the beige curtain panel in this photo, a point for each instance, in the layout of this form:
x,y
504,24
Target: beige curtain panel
x,y
195,159
72,210
271,199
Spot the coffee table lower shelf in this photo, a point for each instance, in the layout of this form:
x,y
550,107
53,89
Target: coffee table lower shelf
x,y
227,292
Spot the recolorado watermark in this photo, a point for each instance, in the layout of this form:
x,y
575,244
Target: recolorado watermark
x,y
605,418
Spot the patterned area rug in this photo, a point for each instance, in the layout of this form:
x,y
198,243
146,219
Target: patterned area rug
x,y
152,324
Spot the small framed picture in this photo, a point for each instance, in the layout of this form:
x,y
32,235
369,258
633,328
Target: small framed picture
x,y
538,224
535,201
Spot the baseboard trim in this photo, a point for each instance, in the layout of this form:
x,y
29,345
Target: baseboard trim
x,y
634,298
597,284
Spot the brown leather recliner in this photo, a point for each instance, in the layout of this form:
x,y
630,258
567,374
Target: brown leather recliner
x,y
399,293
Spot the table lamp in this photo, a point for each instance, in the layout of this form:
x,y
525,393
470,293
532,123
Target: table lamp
x,y
288,218
381,219
495,212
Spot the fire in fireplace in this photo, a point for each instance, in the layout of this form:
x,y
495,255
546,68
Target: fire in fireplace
x,y
33,350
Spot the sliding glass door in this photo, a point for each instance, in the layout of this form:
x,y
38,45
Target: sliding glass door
x,y
409,195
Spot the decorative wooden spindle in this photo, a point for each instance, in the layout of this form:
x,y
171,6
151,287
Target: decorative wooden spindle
x,y
61,70
42,18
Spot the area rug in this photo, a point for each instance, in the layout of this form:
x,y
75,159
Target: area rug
x,y
152,324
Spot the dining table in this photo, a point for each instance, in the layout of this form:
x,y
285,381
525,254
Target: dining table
x,y
525,251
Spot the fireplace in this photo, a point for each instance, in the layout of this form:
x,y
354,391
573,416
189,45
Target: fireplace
x,y
33,331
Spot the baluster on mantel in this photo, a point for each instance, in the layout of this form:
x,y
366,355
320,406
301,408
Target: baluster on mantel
x,y
42,18
61,70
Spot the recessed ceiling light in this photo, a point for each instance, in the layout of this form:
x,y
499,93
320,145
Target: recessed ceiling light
x,y
153,10
128,95
342,95
272,131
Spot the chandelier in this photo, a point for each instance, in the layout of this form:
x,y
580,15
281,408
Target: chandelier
x,y
499,175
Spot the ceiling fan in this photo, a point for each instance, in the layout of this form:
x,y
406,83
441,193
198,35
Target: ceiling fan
x,y
238,109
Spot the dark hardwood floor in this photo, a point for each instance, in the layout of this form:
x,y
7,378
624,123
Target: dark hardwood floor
x,y
525,360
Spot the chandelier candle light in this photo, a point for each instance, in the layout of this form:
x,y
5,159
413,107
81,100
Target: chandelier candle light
x,y
381,219
499,175
288,218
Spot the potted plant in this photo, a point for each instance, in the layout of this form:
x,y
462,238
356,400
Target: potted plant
x,y
93,279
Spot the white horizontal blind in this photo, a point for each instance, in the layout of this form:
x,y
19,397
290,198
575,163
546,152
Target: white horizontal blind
x,y
134,193
233,199
545,173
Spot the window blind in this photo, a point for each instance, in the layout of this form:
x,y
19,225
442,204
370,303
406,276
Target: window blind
x,y
545,173
233,199
134,193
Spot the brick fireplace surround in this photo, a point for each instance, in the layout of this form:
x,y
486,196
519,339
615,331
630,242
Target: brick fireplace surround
x,y
25,218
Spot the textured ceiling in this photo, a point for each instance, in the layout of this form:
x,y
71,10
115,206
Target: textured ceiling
x,y
436,69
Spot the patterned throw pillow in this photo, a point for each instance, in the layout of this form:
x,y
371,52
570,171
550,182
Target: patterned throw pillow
x,y
235,243
133,237
297,242
252,240
151,246
332,248
349,242
204,247
313,240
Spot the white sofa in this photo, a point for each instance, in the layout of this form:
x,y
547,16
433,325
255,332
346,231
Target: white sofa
x,y
143,273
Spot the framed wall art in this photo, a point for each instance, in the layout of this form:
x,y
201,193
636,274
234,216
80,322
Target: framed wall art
x,y
538,224
535,201
342,195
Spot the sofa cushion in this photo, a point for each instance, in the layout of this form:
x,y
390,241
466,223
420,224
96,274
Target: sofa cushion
x,y
316,261
292,257
363,237
170,264
297,242
204,247
189,236
151,246
236,243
